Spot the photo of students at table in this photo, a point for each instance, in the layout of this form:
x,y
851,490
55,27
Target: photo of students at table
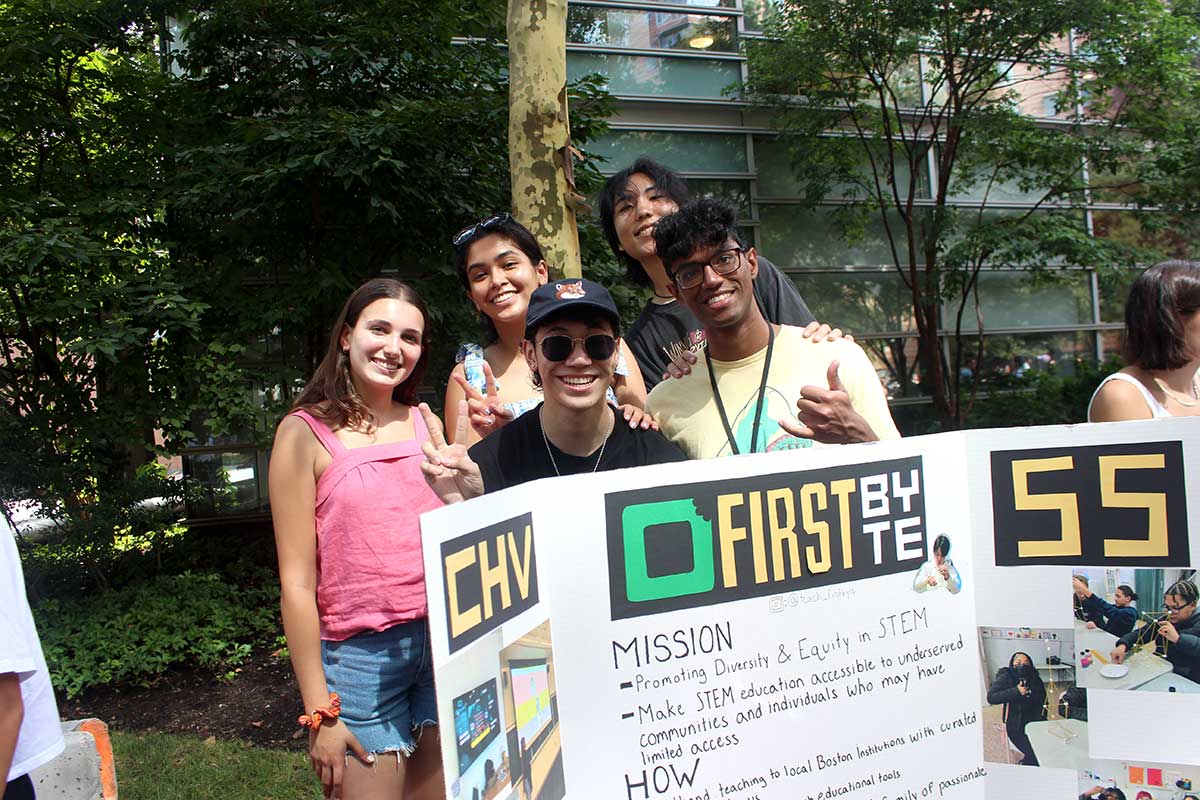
x,y
1176,635
1102,793
1118,617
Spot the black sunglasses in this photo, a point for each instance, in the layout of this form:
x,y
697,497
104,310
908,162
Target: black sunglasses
x,y
598,346
471,230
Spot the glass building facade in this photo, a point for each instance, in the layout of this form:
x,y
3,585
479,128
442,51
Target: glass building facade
x,y
676,71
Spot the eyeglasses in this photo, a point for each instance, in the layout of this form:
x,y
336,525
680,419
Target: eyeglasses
x,y
1172,608
598,346
489,223
691,274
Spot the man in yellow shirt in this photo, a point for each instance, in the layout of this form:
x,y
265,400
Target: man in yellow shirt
x,y
739,398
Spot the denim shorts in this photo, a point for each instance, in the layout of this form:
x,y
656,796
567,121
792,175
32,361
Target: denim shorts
x,y
385,681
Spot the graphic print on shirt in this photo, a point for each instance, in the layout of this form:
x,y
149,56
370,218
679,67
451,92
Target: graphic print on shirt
x,y
771,436
694,343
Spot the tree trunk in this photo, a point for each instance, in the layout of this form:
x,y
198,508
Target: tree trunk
x,y
539,137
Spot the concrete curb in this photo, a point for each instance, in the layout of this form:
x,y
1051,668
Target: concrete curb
x,y
85,770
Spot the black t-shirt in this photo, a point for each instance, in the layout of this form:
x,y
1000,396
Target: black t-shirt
x,y
517,453
670,327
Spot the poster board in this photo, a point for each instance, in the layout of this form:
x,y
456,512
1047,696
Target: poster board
x,y
777,625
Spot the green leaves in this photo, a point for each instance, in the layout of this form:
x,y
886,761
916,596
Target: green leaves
x,y
134,635
978,132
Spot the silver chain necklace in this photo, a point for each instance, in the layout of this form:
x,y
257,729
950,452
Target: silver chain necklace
x,y
545,440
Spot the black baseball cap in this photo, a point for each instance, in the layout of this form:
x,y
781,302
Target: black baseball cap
x,y
578,295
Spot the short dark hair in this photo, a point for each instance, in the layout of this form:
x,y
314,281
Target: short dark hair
x,y
510,229
667,181
1159,300
1128,591
701,223
590,317
942,545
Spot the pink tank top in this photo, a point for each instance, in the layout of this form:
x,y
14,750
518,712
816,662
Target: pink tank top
x,y
370,573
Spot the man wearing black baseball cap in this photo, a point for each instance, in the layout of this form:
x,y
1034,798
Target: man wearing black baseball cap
x,y
572,330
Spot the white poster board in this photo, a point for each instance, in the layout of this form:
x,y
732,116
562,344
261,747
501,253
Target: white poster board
x,y
767,626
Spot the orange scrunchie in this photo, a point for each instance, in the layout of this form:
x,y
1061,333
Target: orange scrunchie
x,y
331,711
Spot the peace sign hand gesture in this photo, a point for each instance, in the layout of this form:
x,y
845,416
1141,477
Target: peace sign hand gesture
x,y
827,415
448,468
487,413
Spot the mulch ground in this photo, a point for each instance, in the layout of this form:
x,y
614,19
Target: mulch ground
x,y
259,704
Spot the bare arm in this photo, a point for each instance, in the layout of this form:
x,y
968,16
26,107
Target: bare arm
x,y
293,490
1117,401
12,712
630,388
454,396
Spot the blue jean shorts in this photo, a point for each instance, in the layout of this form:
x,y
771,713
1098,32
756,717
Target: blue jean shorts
x,y
385,681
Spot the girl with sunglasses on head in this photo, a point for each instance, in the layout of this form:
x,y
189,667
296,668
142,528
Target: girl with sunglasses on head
x,y
570,346
500,264
1177,632
346,494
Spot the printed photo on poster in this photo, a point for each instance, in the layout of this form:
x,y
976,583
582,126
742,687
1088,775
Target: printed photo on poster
x,y
1029,690
474,721
527,670
1138,780
1137,629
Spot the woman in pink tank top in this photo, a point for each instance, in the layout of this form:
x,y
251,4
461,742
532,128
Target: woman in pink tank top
x,y
346,495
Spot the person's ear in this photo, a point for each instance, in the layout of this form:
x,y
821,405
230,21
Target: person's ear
x,y
529,350
543,272
344,339
752,262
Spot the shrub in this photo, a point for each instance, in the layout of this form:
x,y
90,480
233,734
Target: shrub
x,y
99,539
134,635
1058,396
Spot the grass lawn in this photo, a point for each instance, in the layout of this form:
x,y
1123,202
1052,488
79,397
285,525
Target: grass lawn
x,y
163,766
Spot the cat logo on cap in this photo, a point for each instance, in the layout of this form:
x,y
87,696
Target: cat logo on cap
x,y
569,291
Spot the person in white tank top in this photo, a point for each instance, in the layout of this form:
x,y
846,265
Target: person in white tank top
x,y
1162,346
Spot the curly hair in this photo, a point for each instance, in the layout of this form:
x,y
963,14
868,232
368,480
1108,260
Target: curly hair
x,y
665,180
706,222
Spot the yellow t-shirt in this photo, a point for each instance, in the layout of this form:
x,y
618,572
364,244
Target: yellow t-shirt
x,y
687,412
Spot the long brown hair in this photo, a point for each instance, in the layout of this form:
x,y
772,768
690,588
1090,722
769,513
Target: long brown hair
x,y
330,393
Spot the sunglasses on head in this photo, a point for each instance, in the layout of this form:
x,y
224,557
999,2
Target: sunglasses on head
x,y
598,346
487,224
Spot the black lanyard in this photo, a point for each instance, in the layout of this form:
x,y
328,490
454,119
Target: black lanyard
x,y
762,393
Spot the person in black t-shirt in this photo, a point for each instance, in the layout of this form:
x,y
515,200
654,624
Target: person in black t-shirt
x,y
631,202
571,338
